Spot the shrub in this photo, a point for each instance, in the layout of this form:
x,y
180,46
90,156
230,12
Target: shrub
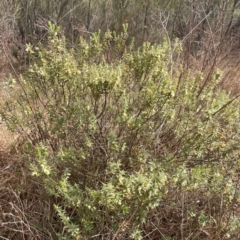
x,y
117,137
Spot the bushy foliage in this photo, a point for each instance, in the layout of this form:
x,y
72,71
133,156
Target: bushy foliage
x,y
118,135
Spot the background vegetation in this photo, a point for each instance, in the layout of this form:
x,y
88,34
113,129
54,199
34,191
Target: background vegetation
x,y
202,25
127,132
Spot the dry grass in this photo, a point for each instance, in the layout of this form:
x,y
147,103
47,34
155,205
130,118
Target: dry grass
x,y
24,211
229,64
7,138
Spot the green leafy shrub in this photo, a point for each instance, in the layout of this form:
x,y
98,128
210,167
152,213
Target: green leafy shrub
x,y
118,139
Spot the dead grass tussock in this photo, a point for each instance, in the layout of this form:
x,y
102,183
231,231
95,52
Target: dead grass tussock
x,y
24,211
171,217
